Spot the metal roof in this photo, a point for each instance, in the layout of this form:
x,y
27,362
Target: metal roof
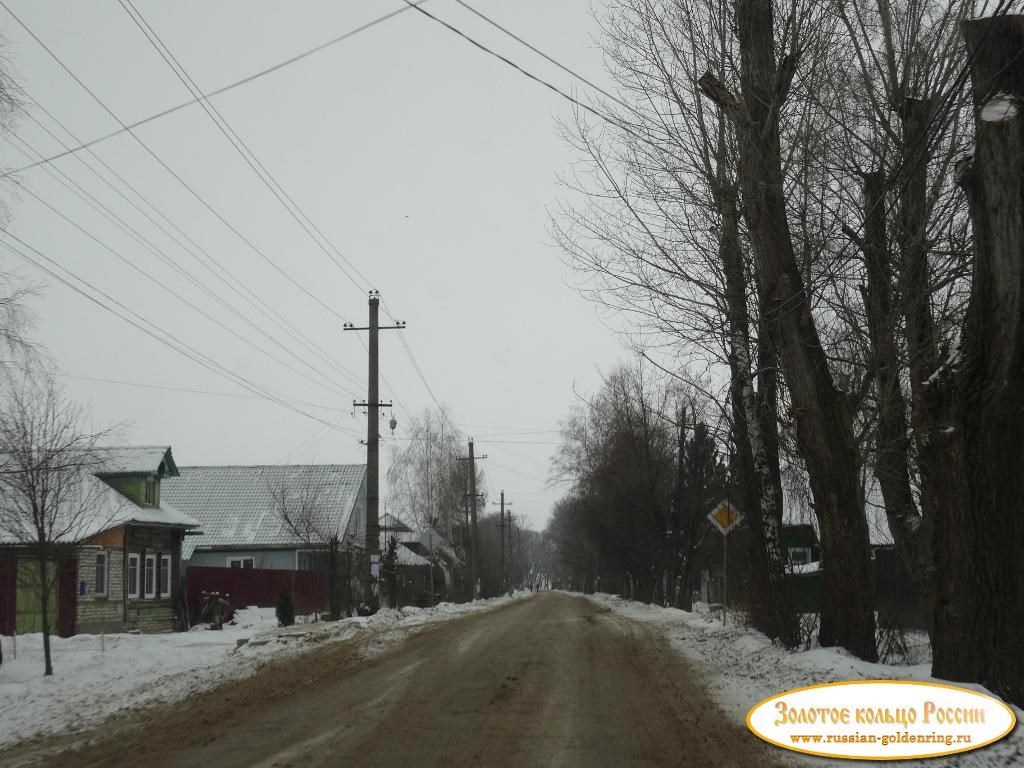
x,y
235,508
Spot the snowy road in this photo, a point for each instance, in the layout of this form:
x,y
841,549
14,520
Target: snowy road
x,y
553,680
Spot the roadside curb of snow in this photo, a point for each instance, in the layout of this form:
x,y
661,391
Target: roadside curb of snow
x,y
34,708
741,667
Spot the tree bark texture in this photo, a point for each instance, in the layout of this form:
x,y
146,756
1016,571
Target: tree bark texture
x,y
756,436
892,444
979,544
823,423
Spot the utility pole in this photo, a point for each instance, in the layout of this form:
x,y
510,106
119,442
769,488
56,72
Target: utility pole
x,y
511,560
501,538
473,533
373,406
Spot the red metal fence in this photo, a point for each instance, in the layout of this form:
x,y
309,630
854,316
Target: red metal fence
x,y
256,586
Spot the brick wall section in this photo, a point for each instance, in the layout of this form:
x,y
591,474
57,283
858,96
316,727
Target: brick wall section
x,y
98,613
116,612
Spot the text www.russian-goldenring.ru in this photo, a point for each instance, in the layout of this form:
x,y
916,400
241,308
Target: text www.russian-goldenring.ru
x,y
949,739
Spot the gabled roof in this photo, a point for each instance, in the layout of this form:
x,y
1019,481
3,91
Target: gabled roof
x,y
235,508
96,508
128,460
393,525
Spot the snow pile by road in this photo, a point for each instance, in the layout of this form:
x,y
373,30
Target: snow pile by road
x,y
741,667
95,676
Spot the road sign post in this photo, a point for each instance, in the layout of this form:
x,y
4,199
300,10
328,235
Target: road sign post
x,y
725,517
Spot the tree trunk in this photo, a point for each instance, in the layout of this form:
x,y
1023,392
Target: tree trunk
x,y
678,507
772,609
823,424
44,609
978,545
892,444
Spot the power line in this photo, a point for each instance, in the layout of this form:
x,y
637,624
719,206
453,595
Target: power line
x,y
188,390
231,86
550,59
90,200
239,145
159,334
225,276
243,149
167,168
622,126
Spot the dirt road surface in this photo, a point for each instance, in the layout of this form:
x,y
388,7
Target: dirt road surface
x,y
552,680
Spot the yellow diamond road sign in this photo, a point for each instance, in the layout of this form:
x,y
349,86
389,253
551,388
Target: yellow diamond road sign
x,y
724,517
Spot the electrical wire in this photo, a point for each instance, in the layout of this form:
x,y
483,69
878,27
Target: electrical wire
x,y
243,149
156,332
239,145
99,207
613,121
188,390
167,168
211,94
200,254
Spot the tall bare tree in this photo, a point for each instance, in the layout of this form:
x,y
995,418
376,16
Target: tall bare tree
x,y
821,410
976,392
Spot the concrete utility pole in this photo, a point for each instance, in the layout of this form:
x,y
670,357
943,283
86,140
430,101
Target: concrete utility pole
x,y
473,532
373,406
501,538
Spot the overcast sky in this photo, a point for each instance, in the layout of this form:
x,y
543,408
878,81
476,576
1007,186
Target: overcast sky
x,y
429,165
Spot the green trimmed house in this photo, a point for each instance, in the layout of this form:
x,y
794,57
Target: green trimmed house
x,y
121,568
128,573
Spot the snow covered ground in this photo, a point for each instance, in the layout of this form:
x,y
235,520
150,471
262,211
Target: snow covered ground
x,y
98,676
741,667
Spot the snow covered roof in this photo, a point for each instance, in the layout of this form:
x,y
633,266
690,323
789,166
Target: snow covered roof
x,y
414,546
235,508
95,507
123,460
407,557
393,525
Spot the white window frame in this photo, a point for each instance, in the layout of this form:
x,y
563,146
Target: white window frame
x,y
105,571
149,590
163,584
149,492
241,562
133,584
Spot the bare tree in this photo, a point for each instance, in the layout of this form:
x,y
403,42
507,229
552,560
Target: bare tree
x,y
298,502
427,485
975,395
49,499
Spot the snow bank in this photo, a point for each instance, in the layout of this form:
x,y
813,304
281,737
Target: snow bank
x,y
96,676
741,667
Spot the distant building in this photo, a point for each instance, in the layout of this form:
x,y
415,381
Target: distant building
x,y
240,526
800,544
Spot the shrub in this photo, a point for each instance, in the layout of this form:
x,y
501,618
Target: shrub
x,y
285,608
